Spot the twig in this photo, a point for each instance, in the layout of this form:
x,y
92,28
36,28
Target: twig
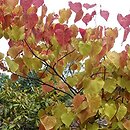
x,y
63,57
45,63
43,83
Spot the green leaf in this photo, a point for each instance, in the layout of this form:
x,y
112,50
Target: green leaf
x,y
67,118
1,55
110,110
93,86
93,126
12,65
110,85
72,80
121,112
84,48
16,33
124,83
32,63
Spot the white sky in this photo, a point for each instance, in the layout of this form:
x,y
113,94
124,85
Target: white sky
x,y
113,6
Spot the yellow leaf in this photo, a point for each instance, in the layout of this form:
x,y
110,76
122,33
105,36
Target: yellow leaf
x,y
12,65
14,51
64,15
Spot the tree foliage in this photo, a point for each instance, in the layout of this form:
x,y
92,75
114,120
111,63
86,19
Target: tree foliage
x,y
69,61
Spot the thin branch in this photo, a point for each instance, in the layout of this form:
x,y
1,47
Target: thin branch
x,y
45,63
63,57
43,83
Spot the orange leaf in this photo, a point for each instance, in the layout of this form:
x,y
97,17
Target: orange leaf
x,y
48,122
126,124
46,88
78,99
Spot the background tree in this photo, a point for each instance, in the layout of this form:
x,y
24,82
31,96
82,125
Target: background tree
x,y
69,61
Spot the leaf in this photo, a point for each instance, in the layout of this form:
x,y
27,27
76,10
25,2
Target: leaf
x,y
93,126
126,32
124,83
1,55
64,15
110,110
72,80
47,89
78,16
57,112
17,33
93,86
123,59
48,122
84,48
14,51
88,6
74,30
121,112
110,85
30,20
11,3
77,100
104,14
88,67
76,7
26,4
38,3
123,21
32,63
12,65
126,124
67,118
87,18
63,34
82,32
96,48
114,58
94,102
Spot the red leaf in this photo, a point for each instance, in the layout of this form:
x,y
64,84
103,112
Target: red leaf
x,y
38,3
76,7
104,14
126,32
93,13
63,34
26,4
82,32
78,16
88,6
128,18
123,21
123,59
87,18
30,20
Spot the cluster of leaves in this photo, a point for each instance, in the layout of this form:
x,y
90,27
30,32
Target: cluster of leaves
x,y
95,79
18,108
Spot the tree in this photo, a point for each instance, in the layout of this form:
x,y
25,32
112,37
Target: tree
x,y
95,79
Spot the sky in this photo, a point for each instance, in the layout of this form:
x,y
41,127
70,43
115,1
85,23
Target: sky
x,y
113,6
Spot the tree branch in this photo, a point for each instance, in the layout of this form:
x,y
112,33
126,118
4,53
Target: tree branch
x,y
45,63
